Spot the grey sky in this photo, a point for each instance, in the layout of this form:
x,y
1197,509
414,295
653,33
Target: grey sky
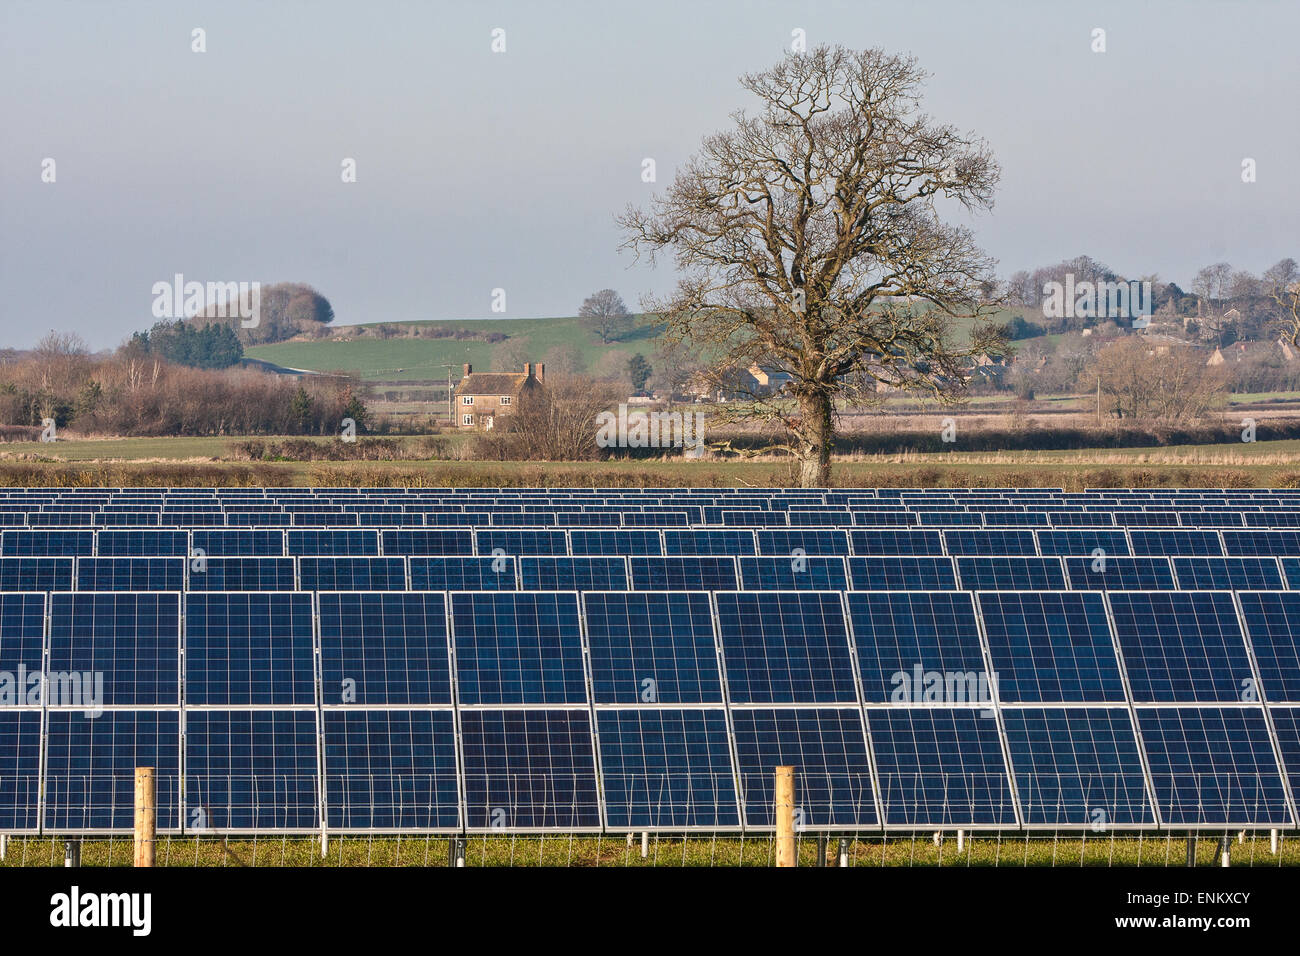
x,y
479,170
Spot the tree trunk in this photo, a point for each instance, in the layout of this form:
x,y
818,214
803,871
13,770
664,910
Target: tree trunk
x,y
814,440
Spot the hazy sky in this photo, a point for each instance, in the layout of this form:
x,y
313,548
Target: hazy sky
x,y
478,170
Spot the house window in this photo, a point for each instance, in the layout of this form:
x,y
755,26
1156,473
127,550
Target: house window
x,y
467,399
505,399
467,420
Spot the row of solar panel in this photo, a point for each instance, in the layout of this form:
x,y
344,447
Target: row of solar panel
x,y
670,768
649,573
263,542
744,647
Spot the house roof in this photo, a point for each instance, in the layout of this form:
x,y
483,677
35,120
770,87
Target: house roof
x,y
491,383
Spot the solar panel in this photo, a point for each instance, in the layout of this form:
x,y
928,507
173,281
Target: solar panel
x,y
242,574
1077,767
1286,726
90,768
239,542
573,574
20,755
518,648
463,574
940,767
130,574
987,573
352,574
684,572
916,647
251,769
827,747
252,648
142,543
55,543
712,542
130,642
814,541
1261,542
615,542
1083,542
529,769
384,649
35,574
1273,622
798,573
391,770
1172,542
666,768
1227,574
1120,574
891,541
532,541
785,647
440,542
1213,765
1181,646
969,541
652,648
902,573
344,542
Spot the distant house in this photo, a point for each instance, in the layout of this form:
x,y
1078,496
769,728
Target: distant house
x,y
483,396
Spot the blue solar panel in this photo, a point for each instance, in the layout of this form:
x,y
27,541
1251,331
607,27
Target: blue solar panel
x,y
241,574
684,572
785,647
712,542
1273,623
1213,765
1077,767
573,574
1120,574
90,768
529,769
615,542
142,544
969,541
390,769
1017,573
1227,574
1181,646
1083,542
22,647
352,574
518,648
819,541
384,649
902,573
1173,542
891,541
20,754
666,768
249,770
463,574
799,573
441,542
916,647
130,643
940,767
1261,542
1286,725
652,648
522,541
252,648
239,542
47,543
348,542
130,574
827,748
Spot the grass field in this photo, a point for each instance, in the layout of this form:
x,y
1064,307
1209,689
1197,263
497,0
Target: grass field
x,y
1151,850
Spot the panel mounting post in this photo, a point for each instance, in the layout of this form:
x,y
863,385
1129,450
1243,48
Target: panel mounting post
x,y
785,816
145,818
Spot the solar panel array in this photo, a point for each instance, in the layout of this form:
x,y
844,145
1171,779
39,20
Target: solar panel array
x,y
291,660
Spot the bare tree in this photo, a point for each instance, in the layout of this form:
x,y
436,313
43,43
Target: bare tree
x,y
605,314
1282,284
1168,383
511,354
558,423
811,243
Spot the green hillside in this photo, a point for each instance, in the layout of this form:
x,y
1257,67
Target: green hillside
x,y
405,359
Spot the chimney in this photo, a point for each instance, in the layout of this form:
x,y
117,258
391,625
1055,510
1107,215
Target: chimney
x,y
528,370
468,368
541,369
